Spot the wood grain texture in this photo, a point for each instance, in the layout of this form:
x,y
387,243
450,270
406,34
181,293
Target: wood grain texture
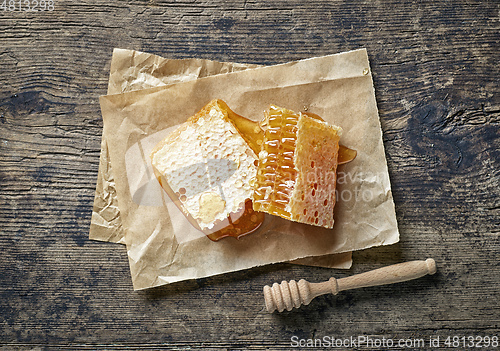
x,y
435,68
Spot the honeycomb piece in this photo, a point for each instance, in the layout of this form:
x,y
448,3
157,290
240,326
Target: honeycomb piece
x,y
205,166
296,176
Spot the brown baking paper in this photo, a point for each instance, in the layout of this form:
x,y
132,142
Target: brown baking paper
x,y
337,87
133,70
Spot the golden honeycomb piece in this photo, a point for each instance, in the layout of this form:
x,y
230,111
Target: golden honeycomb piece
x,y
205,166
296,175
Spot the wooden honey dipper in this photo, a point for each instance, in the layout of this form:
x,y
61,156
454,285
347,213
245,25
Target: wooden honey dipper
x,y
288,295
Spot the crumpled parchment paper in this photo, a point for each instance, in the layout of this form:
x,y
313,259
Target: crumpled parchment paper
x,y
162,249
134,70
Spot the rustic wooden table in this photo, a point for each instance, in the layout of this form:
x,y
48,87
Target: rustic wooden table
x,y
436,76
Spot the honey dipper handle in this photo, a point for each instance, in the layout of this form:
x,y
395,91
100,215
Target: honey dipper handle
x,y
388,275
